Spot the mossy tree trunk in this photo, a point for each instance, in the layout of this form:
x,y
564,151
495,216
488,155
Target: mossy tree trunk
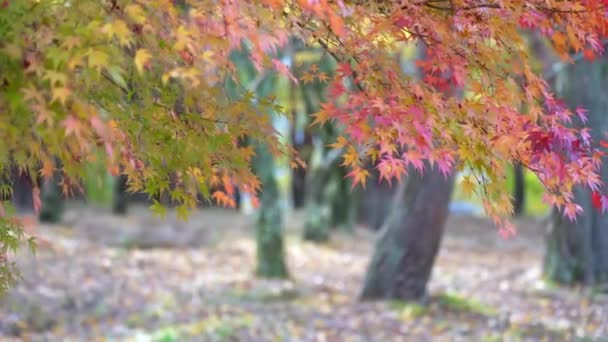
x,y
519,190
329,201
319,196
577,252
269,220
343,213
405,252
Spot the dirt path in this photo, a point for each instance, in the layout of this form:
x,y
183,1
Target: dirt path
x,y
131,279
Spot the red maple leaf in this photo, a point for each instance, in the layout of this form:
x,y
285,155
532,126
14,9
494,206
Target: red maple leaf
x,y
596,200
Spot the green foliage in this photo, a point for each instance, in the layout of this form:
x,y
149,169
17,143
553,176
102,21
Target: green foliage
x,y
98,184
11,238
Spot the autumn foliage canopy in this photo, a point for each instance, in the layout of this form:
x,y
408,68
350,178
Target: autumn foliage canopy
x,y
144,83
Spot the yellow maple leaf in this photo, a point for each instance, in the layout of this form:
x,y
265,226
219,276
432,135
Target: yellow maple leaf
x,y
351,157
60,94
182,38
340,142
467,185
98,59
71,42
136,13
322,77
359,176
307,77
120,30
55,77
142,56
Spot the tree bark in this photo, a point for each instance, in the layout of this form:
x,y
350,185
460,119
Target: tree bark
x,y
405,252
519,190
121,197
376,200
577,252
269,221
52,201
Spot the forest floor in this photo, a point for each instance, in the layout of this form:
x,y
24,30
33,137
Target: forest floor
x,y
140,278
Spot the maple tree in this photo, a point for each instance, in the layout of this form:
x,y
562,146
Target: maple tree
x,y
144,81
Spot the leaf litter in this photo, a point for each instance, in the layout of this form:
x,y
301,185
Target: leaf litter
x,y
94,279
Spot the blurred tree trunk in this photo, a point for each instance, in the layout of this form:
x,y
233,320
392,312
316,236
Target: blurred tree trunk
x,y
321,192
375,204
22,192
519,190
577,252
405,253
329,201
344,204
269,220
121,197
52,201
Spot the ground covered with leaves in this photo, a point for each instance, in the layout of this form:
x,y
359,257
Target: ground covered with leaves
x,y
140,278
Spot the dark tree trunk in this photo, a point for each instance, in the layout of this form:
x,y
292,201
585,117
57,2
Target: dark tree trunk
x,y
52,201
519,190
577,252
22,192
344,202
375,204
405,253
121,197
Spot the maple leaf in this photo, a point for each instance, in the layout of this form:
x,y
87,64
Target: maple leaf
x,y
32,94
323,115
98,59
596,200
507,230
55,77
119,29
142,58
72,126
589,55
60,94
307,77
136,13
337,25
322,77
359,176
467,186
47,169
283,69
223,199
344,69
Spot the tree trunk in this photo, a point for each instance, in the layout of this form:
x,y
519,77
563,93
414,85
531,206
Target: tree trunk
x,y
52,201
344,201
376,200
320,194
121,197
577,252
269,220
519,190
404,255
22,192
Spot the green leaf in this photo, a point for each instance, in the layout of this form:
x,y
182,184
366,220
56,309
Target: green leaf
x,y
158,209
